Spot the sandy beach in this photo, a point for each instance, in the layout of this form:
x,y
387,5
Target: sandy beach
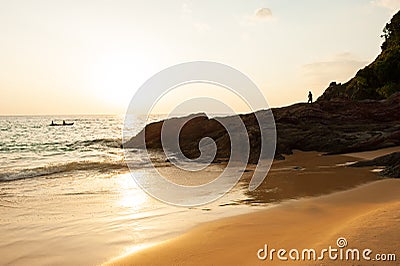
x,y
363,210
200,132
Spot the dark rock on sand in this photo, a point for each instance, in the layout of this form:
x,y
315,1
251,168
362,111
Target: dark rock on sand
x,y
339,126
334,127
362,114
390,161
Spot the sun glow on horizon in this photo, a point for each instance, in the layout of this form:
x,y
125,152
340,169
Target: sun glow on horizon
x,y
115,78
90,57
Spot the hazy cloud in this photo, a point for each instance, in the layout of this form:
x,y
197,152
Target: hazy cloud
x,y
259,15
263,13
392,5
340,67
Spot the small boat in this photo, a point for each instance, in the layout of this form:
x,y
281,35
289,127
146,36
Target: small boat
x,y
61,125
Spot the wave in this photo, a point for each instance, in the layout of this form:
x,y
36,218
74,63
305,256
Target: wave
x,y
106,142
61,168
102,143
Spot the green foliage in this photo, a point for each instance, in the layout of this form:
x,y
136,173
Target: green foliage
x,y
389,89
381,78
391,32
387,65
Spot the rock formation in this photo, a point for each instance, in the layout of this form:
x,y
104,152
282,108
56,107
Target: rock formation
x,y
362,114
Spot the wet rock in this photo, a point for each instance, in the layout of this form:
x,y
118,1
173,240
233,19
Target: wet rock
x,y
390,161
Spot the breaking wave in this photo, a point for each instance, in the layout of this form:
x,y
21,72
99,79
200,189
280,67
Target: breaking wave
x,y
61,168
111,143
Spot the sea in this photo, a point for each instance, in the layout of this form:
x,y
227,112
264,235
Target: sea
x,y
68,198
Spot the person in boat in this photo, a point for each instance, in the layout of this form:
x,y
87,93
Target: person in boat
x,y
52,123
309,97
64,123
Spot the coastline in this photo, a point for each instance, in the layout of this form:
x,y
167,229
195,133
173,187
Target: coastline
x,y
310,220
305,223
200,133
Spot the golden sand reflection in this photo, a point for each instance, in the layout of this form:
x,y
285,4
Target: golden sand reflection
x,y
130,194
129,250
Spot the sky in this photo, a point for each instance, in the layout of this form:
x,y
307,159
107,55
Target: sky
x,y
89,57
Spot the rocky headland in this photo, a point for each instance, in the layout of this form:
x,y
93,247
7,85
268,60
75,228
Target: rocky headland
x,y
360,115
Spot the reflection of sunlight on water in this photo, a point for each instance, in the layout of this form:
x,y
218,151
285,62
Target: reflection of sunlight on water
x,y
146,221
133,249
130,194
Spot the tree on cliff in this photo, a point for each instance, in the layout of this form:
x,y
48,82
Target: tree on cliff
x,y
391,33
381,78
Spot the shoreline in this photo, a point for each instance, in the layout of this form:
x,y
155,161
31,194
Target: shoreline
x,y
212,242
324,220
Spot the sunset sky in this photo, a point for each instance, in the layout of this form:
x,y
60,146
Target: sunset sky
x,y
83,57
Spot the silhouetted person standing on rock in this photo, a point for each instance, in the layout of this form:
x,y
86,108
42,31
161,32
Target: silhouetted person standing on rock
x,y
309,97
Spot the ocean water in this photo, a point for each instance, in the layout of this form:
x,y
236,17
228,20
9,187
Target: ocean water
x,y
67,197
29,147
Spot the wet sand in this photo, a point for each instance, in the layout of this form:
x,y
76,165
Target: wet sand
x,y
366,215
